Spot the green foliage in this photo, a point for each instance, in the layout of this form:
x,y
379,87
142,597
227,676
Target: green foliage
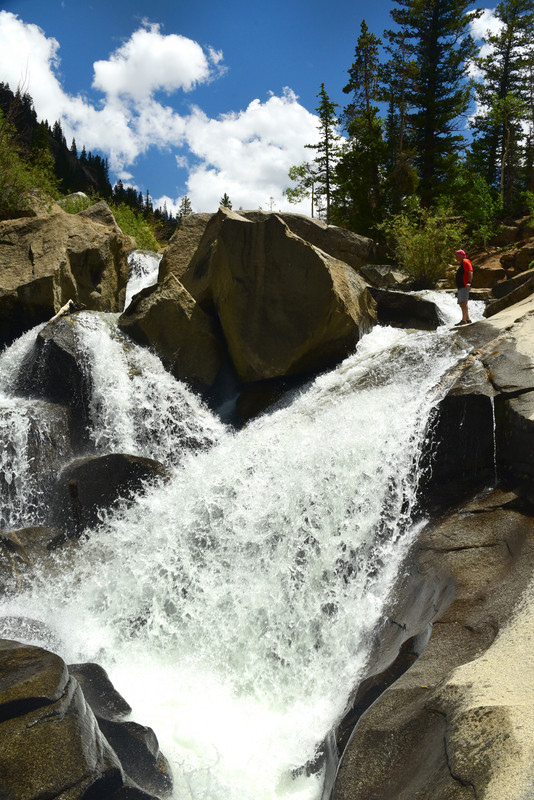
x,y
423,243
225,201
327,149
135,225
471,197
185,208
305,177
74,203
25,182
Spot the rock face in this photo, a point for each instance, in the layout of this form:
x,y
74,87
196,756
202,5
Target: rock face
x,y
457,723
46,261
283,306
452,726
186,338
183,245
340,243
43,712
93,483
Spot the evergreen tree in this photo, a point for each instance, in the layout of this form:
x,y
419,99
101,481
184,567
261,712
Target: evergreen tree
x,y
437,41
305,176
185,208
360,166
506,97
225,201
398,76
327,148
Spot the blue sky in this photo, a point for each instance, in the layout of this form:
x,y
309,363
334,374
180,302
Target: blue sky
x,y
187,98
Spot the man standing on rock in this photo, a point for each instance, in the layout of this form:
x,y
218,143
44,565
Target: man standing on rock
x,y
464,276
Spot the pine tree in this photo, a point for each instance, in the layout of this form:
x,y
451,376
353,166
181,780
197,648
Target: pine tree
x,y
438,43
505,94
327,148
185,208
305,176
225,201
360,166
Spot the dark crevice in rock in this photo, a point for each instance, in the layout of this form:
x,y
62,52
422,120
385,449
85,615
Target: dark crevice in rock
x,y
461,781
17,708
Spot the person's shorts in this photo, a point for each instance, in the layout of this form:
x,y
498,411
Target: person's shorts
x,y
463,294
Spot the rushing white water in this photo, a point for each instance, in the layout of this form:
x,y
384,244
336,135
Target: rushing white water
x,y
144,267
233,606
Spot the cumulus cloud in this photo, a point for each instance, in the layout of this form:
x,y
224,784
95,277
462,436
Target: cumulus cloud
x,y
149,62
245,153
248,154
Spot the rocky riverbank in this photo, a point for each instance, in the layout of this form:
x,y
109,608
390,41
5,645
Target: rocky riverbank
x,y
251,304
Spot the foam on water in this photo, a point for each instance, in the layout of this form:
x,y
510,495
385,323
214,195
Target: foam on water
x,y
233,606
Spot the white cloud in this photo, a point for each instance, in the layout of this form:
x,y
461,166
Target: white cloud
x,y
486,23
150,61
248,154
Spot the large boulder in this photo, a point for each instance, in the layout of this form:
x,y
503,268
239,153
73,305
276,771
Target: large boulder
x,y
50,741
183,245
275,303
285,307
46,261
186,338
342,244
94,483
402,310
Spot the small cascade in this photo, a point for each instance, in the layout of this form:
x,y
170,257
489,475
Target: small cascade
x,y
144,267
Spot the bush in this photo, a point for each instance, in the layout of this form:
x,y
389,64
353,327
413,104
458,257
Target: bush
x,y
134,225
423,244
74,203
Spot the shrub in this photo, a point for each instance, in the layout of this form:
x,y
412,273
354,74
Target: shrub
x,y
74,203
423,243
136,226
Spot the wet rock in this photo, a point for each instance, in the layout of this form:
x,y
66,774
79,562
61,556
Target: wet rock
x,y
91,484
138,750
51,744
22,550
459,453
35,439
444,729
402,310
105,701
53,370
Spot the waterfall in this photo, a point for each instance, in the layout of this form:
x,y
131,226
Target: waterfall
x,y
144,267
233,606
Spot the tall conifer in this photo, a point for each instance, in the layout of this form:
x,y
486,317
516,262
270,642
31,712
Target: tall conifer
x,y
437,41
